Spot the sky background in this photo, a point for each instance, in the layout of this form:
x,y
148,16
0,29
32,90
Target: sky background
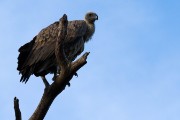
x,y
133,70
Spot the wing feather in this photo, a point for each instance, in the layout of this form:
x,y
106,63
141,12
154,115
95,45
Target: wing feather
x,y
44,45
38,56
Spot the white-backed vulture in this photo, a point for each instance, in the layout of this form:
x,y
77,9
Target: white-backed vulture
x,y
38,56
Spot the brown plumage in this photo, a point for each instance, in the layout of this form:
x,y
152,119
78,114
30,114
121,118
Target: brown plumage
x,y
38,56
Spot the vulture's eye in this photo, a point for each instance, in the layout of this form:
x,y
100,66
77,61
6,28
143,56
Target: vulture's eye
x,y
90,14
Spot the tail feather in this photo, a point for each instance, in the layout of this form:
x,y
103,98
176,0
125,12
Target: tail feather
x,y
26,73
24,52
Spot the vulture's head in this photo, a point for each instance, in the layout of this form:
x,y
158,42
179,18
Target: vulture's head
x,y
90,17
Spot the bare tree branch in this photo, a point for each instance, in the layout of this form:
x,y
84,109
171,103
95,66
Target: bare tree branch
x,y
59,48
79,63
16,109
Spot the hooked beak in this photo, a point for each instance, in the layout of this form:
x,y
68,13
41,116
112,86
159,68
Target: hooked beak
x,y
96,17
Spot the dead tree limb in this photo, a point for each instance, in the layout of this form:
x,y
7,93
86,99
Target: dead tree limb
x,y
67,71
16,109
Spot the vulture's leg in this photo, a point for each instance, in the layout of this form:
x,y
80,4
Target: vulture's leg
x,y
56,74
46,83
58,70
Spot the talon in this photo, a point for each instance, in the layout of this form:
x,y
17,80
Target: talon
x,y
56,74
76,74
69,84
54,78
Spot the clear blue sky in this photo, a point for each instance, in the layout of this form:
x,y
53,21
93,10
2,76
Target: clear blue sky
x,y
133,71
